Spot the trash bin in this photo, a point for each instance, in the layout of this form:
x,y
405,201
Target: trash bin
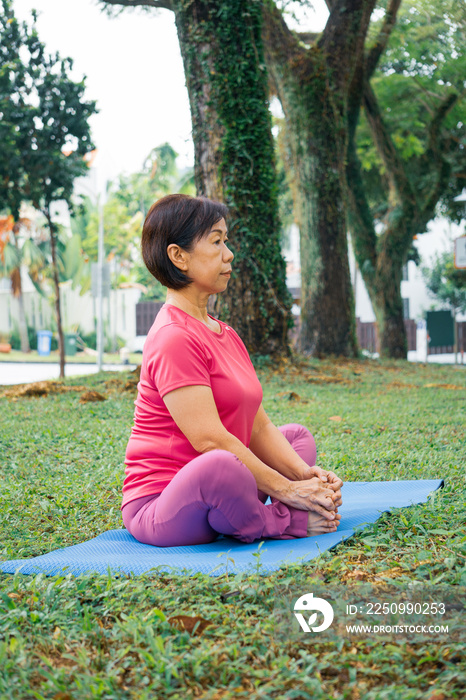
x,y
70,344
44,342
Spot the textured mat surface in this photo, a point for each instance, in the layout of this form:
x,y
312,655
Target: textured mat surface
x,y
118,551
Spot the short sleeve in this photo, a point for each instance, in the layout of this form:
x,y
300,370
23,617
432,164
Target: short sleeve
x,y
177,358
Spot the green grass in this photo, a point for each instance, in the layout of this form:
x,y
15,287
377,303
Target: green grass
x,y
80,357
109,637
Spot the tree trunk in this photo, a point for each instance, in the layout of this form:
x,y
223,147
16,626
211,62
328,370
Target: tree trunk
x,y
312,86
221,45
388,308
61,343
380,265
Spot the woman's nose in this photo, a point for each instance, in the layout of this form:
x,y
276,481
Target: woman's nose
x,y
228,255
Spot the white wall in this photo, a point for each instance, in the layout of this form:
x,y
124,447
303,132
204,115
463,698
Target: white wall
x,y
77,310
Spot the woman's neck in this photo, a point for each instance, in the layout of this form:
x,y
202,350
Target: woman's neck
x,y
183,300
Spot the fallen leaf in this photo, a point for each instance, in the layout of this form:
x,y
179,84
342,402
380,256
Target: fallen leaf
x,y
40,389
444,386
194,625
335,418
92,396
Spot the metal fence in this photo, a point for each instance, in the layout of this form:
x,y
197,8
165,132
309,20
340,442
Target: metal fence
x,y
146,311
368,338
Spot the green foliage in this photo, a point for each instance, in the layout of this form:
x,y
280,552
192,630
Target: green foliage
x,y
424,63
110,636
128,201
44,119
445,282
15,339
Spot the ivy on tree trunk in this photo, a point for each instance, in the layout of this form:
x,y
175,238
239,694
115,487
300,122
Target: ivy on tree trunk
x,y
221,46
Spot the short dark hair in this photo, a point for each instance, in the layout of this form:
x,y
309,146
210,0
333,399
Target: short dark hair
x,y
178,219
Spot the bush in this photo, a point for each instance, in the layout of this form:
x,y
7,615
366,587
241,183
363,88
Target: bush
x,y
15,340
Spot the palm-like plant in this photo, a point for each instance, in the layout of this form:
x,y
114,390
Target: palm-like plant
x,y
18,250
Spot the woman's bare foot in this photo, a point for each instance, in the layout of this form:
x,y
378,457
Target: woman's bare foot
x,y
318,525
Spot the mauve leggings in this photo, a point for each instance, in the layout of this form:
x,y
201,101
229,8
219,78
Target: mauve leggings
x,y
216,493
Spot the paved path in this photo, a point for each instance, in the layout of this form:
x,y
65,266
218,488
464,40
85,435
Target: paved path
x,y
25,372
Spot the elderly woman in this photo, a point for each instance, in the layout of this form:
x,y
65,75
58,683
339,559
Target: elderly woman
x,y
203,455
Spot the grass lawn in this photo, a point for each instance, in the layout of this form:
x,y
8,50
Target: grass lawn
x,y
110,637
80,358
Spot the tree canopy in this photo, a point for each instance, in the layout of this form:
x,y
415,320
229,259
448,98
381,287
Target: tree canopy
x,y
45,127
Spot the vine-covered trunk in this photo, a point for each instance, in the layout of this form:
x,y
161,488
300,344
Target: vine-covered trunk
x,y
327,305
53,247
312,93
380,266
221,45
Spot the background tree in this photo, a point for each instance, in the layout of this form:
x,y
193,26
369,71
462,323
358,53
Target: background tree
x,y
311,76
407,157
16,118
221,46
48,132
446,283
128,200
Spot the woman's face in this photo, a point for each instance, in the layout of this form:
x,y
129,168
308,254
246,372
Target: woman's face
x,y
209,263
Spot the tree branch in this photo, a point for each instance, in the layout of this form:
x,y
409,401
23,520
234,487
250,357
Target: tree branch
x,y
400,187
380,45
345,33
159,4
434,155
308,37
280,43
440,114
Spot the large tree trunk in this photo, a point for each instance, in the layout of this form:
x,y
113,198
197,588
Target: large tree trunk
x,y
312,85
221,45
380,263
53,246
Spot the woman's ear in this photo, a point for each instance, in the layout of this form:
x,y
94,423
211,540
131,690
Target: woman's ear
x,y
178,256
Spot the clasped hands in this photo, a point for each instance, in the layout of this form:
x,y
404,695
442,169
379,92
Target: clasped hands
x,y
317,490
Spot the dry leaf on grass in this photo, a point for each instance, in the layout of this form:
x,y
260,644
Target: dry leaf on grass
x,y
444,386
401,385
20,391
326,379
194,625
336,418
292,396
92,396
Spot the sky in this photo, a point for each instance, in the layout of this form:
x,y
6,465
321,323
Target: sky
x,y
133,70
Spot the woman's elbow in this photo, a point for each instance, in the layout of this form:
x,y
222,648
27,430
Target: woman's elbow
x,y
207,443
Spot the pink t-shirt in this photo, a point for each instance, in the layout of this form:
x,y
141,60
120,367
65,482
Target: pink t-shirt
x,y
182,351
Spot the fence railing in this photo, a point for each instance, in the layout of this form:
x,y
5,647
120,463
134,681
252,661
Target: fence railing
x,y
368,338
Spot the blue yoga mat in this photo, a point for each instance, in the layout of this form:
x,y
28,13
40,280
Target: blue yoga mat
x,y
119,552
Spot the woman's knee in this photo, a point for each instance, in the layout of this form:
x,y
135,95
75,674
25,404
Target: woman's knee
x,y
302,441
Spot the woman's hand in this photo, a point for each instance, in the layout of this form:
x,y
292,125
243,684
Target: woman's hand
x,y
331,480
313,495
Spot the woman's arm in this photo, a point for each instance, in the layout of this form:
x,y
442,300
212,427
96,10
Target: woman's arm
x,y
194,411
272,448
